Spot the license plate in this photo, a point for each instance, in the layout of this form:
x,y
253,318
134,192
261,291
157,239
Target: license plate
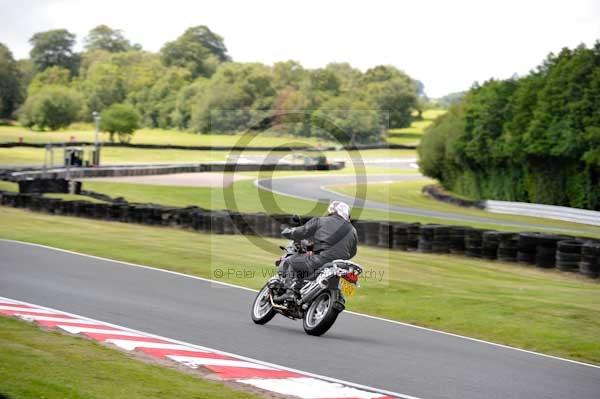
x,y
347,288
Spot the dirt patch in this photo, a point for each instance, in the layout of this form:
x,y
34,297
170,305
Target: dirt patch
x,y
204,179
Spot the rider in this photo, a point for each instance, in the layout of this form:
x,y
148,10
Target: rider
x,y
334,238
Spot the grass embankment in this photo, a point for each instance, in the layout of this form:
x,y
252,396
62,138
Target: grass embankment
x,y
412,135
85,132
126,155
249,198
38,364
409,194
541,310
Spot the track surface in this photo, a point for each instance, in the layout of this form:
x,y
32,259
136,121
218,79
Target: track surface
x,y
314,188
363,350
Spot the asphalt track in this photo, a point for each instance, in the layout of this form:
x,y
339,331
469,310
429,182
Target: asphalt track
x,y
314,188
373,352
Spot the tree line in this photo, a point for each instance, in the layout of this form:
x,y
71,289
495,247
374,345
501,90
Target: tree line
x,y
532,139
192,84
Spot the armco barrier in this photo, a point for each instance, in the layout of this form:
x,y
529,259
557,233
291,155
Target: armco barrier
x,y
567,253
567,214
145,170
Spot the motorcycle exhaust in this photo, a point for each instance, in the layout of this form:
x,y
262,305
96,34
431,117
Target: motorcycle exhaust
x,y
310,291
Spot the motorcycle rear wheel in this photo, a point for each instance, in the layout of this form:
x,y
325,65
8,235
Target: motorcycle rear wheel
x,y
262,310
320,315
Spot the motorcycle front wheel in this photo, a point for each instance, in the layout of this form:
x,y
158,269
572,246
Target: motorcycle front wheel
x,y
262,310
320,315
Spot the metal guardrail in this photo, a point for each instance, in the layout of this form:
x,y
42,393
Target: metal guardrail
x,y
544,211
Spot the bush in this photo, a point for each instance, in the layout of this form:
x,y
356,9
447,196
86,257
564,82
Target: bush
x,y
51,107
121,119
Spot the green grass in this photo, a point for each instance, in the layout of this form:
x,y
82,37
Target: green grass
x,y
408,193
8,186
125,155
39,364
249,198
85,132
412,135
542,310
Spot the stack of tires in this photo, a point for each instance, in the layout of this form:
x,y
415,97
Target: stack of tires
x,y
474,243
568,255
590,259
413,233
371,233
426,238
361,230
457,238
527,248
386,235
490,242
400,238
508,245
546,251
441,239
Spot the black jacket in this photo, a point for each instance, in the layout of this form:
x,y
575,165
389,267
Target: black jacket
x,y
334,237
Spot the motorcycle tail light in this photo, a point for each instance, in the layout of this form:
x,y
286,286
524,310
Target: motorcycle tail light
x,y
351,277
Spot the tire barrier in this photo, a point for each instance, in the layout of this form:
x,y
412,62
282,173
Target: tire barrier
x,y
568,255
474,243
527,248
590,259
508,246
386,235
489,244
545,254
544,250
437,193
457,239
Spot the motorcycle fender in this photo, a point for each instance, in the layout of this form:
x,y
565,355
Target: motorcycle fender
x,y
339,306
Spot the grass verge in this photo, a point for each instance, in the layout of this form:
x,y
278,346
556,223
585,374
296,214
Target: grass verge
x,y
249,198
541,310
40,364
412,135
408,193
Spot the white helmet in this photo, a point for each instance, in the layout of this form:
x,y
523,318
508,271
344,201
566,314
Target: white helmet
x,y
339,208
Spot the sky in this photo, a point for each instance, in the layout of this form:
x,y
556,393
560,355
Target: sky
x,y
447,45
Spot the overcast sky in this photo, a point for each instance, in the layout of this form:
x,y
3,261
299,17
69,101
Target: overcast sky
x,y
446,44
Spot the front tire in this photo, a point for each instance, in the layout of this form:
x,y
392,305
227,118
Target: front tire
x,y
262,309
320,315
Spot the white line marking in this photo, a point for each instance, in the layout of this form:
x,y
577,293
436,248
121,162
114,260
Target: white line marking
x,y
130,345
56,319
347,311
309,388
20,309
79,330
194,362
205,349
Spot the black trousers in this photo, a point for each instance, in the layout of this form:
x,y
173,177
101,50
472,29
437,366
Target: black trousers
x,y
300,266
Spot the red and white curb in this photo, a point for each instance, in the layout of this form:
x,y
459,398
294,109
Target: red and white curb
x,y
226,366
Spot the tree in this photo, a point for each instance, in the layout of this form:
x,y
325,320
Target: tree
x,y
103,37
233,98
11,92
346,120
121,119
52,106
54,48
199,50
51,76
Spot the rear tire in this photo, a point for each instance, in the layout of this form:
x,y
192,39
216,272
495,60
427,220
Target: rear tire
x,y
320,315
262,311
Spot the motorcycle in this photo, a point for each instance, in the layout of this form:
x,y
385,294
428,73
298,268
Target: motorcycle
x,y
320,298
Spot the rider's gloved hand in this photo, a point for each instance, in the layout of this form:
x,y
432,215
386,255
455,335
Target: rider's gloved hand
x,y
287,232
